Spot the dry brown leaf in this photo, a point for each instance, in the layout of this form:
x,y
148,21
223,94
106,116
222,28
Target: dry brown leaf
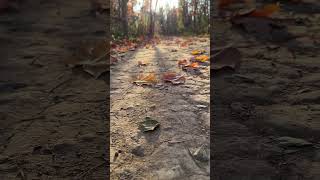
x,y
266,11
141,63
174,78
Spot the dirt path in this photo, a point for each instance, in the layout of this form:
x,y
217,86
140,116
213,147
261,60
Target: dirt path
x,y
267,113
182,111
53,119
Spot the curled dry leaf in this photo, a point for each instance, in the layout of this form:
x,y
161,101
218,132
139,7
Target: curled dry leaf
x,y
146,80
202,58
174,78
141,63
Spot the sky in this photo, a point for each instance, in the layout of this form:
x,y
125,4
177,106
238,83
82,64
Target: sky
x,y
161,3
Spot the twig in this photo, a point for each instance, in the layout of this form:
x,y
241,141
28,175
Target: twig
x,y
33,118
59,85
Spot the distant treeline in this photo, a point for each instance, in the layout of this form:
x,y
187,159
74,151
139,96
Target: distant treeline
x,y
190,17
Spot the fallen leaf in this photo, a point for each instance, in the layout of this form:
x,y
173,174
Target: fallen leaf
x,y
266,11
149,124
174,78
202,58
141,63
197,52
146,80
192,65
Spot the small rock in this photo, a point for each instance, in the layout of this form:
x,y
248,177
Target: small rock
x,y
138,151
201,106
202,154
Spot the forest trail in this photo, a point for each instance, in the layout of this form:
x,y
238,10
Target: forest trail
x,y
182,111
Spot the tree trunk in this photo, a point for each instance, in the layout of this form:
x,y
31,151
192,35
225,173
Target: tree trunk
x,y
195,5
124,11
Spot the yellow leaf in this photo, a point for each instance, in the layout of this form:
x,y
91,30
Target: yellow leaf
x,y
197,52
202,58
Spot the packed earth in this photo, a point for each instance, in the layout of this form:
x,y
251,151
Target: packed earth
x,y
265,103
53,117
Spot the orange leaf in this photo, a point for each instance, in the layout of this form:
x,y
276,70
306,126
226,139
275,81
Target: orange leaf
x,y
266,10
193,65
149,79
